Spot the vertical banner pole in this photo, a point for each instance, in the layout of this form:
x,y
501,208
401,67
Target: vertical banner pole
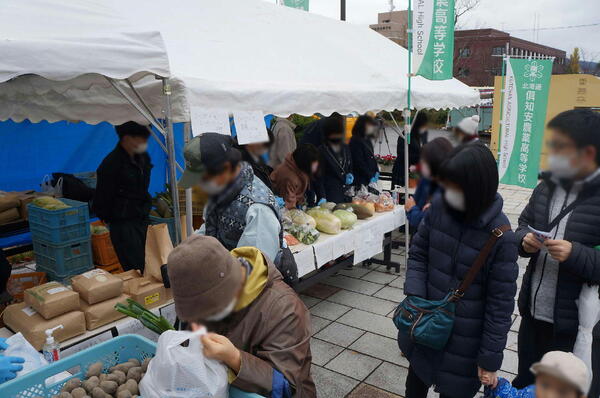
x,y
189,224
407,128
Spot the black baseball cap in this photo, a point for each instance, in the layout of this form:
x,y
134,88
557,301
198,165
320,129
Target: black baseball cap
x,y
209,151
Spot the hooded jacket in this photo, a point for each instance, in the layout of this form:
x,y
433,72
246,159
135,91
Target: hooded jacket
x,y
271,327
441,254
290,182
331,184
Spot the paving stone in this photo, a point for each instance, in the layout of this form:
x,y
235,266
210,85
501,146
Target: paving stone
x,y
370,322
357,271
329,310
318,323
516,324
309,301
321,291
379,277
398,282
511,362
380,347
323,352
353,364
367,391
342,335
391,293
512,341
330,384
363,302
355,285
389,377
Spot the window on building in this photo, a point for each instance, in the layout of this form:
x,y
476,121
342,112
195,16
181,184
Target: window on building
x,y
498,50
386,21
464,52
463,72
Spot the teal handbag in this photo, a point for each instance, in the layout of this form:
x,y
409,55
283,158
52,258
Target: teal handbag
x,y
430,323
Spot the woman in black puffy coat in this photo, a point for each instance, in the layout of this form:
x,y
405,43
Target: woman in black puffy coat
x,y
452,233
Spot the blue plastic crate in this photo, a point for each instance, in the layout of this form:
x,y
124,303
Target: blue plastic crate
x,y
63,261
59,235
170,225
78,213
65,279
110,352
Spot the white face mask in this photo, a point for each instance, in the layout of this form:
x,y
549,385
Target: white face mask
x,y
560,166
315,167
141,148
455,199
224,313
371,130
210,187
425,172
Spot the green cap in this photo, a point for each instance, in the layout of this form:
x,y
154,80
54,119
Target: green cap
x,y
208,151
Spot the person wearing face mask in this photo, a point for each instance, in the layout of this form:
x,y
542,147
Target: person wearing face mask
x,y
253,154
418,136
336,169
292,179
433,155
121,198
315,132
364,164
241,210
566,204
259,328
452,233
467,130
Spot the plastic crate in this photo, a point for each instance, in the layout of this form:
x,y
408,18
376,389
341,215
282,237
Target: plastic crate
x,y
59,226
63,261
170,225
65,279
102,248
59,235
18,283
89,178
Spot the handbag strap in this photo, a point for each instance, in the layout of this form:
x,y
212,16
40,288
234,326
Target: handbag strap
x,y
480,260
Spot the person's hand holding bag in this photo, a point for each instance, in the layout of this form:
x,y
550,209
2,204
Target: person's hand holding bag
x,y
9,366
221,349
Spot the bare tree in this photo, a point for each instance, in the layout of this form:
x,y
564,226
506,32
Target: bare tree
x,y
463,7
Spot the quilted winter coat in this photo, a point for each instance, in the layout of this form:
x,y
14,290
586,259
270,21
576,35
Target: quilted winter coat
x,y
440,256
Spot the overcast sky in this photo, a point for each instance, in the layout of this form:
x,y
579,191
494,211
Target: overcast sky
x,y
503,14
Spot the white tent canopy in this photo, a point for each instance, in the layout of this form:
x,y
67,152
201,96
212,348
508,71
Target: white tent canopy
x,y
226,54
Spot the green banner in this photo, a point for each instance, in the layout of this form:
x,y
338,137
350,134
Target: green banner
x,y
526,88
301,4
433,38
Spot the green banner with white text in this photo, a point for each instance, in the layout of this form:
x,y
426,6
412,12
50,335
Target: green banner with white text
x,y
526,88
433,38
301,4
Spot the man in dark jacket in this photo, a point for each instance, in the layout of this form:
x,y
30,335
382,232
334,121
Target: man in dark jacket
x,y
253,155
566,204
364,163
315,132
122,199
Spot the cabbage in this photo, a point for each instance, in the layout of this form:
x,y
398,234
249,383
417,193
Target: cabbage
x,y
317,211
49,203
305,234
328,206
301,218
347,217
328,223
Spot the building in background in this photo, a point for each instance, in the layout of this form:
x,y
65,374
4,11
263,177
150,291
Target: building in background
x,y
478,54
393,25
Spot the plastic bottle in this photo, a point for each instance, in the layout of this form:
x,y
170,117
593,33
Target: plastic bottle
x,y
51,349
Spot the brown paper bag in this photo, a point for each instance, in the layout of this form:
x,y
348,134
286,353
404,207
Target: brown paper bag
x,y
148,292
52,299
158,247
128,279
22,318
102,313
97,285
10,215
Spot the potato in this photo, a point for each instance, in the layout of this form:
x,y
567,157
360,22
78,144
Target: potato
x,y
103,376
124,394
135,374
136,361
132,386
109,387
120,377
123,367
91,383
94,370
71,385
79,393
145,364
64,394
97,392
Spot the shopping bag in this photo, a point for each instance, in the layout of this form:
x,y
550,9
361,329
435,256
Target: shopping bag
x,y
158,247
589,315
50,188
183,372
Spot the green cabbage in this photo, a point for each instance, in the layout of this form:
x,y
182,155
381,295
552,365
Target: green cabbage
x,y
328,223
347,217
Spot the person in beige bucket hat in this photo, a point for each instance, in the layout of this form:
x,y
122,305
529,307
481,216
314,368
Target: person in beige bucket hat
x,y
259,326
558,375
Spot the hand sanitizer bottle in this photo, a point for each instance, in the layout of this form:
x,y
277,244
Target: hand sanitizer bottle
x,y
51,349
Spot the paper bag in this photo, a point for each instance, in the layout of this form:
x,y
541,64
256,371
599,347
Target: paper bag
x,y
148,292
97,285
128,279
158,247
102,313
52,299
22,318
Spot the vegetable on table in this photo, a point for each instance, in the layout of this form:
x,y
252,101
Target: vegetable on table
x,y
347,217
157,324
328,223
49,203
305,234
301,218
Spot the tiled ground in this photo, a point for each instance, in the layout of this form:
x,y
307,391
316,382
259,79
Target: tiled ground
x,y
354,347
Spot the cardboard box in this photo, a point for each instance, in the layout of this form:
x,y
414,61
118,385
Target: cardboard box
x,y
52,299
100,314
128,279
148,292
23,318
97,285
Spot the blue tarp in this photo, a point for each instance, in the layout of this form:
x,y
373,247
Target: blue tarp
x,y
29,151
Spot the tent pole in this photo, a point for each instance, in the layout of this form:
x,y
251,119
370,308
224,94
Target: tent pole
x,y
189,220
146,107
171,156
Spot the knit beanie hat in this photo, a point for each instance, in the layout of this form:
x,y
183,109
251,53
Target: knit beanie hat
x,y
204,277
469,125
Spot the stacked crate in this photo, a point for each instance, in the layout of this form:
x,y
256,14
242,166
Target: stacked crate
x,y
104,253
61,240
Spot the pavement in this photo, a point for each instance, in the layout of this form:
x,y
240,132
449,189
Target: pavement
x,y
354,347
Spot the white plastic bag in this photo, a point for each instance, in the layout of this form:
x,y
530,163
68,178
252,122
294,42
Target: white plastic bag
x,y
48,189
589,314
183,372
18,346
